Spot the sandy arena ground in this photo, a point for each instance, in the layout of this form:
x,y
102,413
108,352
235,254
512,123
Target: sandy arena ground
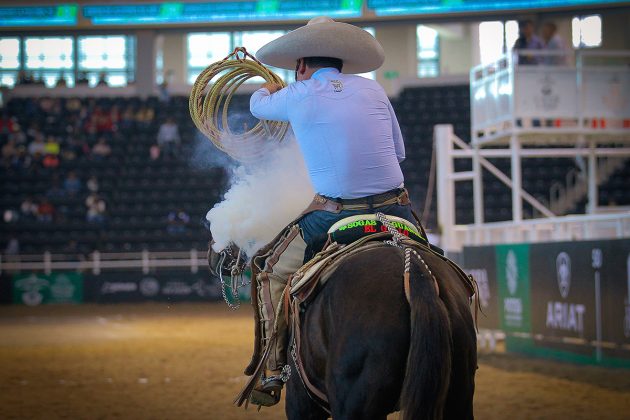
x,y
185,361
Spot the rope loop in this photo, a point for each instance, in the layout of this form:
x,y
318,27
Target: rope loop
x,y
210,99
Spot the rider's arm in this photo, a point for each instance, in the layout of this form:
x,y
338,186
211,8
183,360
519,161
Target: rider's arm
x,y
270,106
399,145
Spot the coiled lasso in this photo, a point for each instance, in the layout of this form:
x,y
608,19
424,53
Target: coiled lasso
x,y
209,103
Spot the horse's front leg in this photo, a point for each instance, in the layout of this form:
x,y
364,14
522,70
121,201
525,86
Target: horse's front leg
x,y
299,406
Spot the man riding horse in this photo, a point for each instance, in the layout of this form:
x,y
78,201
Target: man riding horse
x,y
352,145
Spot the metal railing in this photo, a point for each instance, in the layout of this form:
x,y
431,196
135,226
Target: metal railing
x,y
97,261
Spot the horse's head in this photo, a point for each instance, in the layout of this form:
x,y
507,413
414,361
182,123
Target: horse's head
x,y
227,262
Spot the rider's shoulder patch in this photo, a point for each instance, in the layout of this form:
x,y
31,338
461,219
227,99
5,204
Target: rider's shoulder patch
x,y
337,85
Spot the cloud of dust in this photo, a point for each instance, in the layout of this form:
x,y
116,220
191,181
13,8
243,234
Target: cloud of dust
x,y
265,195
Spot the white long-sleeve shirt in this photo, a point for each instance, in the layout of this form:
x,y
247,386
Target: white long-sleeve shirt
x,y
346,129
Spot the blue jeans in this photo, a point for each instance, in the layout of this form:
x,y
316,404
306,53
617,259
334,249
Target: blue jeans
x,y
315,225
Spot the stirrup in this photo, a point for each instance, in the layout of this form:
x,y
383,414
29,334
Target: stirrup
x,y
270,390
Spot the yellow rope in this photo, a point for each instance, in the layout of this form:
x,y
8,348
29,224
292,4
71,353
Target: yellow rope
x,y
209,102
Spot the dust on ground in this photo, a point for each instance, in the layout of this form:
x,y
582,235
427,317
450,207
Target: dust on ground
x,y
185,361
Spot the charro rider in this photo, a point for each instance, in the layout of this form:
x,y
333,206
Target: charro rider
x,y
352,145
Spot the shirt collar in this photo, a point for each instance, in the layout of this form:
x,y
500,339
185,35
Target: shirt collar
x,y
319,73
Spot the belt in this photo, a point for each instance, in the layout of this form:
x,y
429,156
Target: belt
x,y
335,205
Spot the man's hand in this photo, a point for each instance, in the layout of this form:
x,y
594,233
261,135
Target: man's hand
x,y
272,87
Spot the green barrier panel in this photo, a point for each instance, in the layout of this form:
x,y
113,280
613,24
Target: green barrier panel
x,y
34,289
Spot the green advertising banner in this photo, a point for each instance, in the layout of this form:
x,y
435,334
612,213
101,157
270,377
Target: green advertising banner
x,y
34,289
514,288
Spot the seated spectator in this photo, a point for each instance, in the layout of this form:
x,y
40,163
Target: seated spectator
x,y
144,117
127,118
178,221
37,148
52,146
103,121
72,184
101,150
168,137
10,216
28,209
9,152
45,211
50,161
8,124
154,152
92,184
95,209
527,40
73,105
22,160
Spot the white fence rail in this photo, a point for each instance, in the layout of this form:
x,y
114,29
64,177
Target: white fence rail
x,y
566,228
96,261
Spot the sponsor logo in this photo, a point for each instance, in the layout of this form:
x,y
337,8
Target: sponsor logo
x,y
513,306
483,288
32,288
112,287
149,286
176,288
511,272
564,315
62,288
563,270
337,85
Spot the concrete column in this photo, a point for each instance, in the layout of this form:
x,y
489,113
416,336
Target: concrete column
x,y
175,57
145,62
517,199
399,43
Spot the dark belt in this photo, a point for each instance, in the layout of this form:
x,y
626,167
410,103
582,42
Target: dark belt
x,y
371,199
335,205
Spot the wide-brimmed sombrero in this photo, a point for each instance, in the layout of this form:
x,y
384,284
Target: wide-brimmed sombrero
x,y
323,37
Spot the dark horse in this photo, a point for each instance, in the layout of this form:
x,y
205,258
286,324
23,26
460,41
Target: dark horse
x,y
372,352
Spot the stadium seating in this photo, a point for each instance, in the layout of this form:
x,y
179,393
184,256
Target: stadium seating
x,y
140,192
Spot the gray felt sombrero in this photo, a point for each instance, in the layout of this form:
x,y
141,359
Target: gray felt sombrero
x,y
323,37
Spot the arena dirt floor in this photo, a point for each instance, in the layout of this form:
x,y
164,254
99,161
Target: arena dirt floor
x,y
184,361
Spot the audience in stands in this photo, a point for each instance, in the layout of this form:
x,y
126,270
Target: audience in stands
x,y
9,152
37,147
92,184
28,209
95,209
101,149
72,184
168,137
154,152
178,221
144,117
45,211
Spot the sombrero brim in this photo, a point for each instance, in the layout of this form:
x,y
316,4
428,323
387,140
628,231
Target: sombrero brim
x,y
358,49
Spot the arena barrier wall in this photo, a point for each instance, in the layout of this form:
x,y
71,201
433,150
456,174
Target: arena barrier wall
x,y
37,288
564,300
